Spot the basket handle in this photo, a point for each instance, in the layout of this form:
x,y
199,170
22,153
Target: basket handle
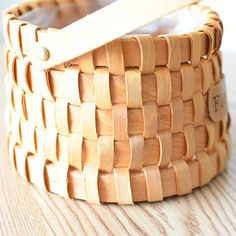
x,y
99,28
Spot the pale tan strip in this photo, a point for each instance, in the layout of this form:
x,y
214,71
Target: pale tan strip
x,y
115,57
89,121
148,53
195,42
120,122
102,88
165,140
106,153
75,150
199,108
137,152
62,125
50,145
86,63
91,184
177,114
133,88
163,81
190,138
153,182
183,177
123,186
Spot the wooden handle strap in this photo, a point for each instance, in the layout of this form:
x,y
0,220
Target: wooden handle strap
x,y
96,29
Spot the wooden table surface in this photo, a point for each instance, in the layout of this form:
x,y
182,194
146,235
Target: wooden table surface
x,y
211,210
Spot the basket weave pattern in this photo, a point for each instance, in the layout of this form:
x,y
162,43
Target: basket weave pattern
x,y
127,122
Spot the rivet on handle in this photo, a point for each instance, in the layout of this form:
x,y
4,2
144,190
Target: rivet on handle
x,y
42,53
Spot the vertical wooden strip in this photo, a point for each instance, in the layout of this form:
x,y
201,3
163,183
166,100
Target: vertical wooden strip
x,y
106,153
163,81
50,144
189,134
89,121
91,184
115,58
199,108
195,42
221,156
120,122
123,186
21,161
210,132
62,125
165,140
177,114
207,77
102,88
150,117
86,63
153,183
188,81
183,177
62,167
174,52
72,85
133,88
75,150
205,172
137,152
148,53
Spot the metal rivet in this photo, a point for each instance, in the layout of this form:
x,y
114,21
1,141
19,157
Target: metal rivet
x,y
42,53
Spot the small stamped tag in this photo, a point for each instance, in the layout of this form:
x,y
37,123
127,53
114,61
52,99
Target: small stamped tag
x,y
217,101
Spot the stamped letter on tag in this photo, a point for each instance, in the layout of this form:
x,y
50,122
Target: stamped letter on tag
x,y
217,101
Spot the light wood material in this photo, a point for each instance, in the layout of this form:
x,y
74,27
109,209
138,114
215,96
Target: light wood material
x,y
26,210
107,126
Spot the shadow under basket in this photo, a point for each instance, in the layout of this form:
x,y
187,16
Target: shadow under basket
x,y
140,118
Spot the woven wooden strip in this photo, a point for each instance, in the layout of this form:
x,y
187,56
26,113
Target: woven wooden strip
x,y
86,63
120,121
204,168
188,81
207,78
15,36
11,67
19,103
147,52
153,182
28,136
115,58
183,177
36,171
123,187
28,37
174,52
21,161
89,121
72,85
75,150
165,140
38,110
195,41
91,184
150,116
12,141
50,145
102,88
221,156
133,88
199,108
62,125
137,152
177,114
216,68
62,168
190,137
210,132
106,153
209,31
6,28
163,81
22,67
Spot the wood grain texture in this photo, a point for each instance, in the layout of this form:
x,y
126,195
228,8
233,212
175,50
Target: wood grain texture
x,y
211,210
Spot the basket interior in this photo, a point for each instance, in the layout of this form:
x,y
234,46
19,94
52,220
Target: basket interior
x,y
61,15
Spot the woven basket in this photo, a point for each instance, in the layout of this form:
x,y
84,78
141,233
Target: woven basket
x,y
140,118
